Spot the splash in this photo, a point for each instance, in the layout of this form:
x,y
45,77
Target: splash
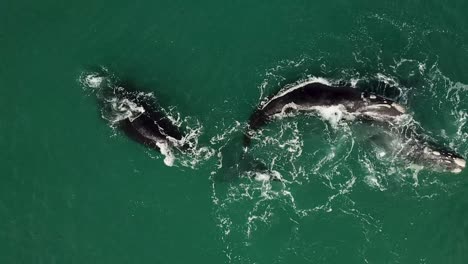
x,y
93,80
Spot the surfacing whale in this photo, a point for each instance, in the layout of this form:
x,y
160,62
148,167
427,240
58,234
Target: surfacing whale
x,y
137,115
314,96
141,120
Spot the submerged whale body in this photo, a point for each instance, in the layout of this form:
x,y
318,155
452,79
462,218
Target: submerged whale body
x,y
315,96
431,155
419,150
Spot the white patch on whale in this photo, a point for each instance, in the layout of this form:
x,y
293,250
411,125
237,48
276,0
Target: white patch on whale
x,y
377,107
399,108
460,162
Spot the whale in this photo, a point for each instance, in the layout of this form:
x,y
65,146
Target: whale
x,y
313,97
431,155
417,149
141,119
137,114
143,122
317,97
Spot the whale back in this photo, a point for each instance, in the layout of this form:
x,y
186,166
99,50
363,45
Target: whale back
x,y
311,96
138,115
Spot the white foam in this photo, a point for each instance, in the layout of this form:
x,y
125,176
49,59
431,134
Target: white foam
x,y
386,79
260,176
263,176
421,67
123,109
193,154
373,182
93,80
333,114
354,82
166,150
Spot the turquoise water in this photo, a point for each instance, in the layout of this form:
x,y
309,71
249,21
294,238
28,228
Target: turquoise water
x,y
75,191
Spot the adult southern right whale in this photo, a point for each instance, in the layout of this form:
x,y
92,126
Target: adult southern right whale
x,y
351,103
314,96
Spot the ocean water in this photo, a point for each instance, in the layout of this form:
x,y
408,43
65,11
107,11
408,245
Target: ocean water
x,y
74,190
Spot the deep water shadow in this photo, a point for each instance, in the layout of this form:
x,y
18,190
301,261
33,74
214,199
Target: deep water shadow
x,y
236,161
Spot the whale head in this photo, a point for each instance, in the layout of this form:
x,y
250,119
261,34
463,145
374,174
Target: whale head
x,y
434,156
443,159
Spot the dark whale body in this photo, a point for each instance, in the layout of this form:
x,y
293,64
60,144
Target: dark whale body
x,y
139,117
136,113
309,97
149,128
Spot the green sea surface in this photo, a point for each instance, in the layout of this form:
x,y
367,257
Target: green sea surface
x,y
73,190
